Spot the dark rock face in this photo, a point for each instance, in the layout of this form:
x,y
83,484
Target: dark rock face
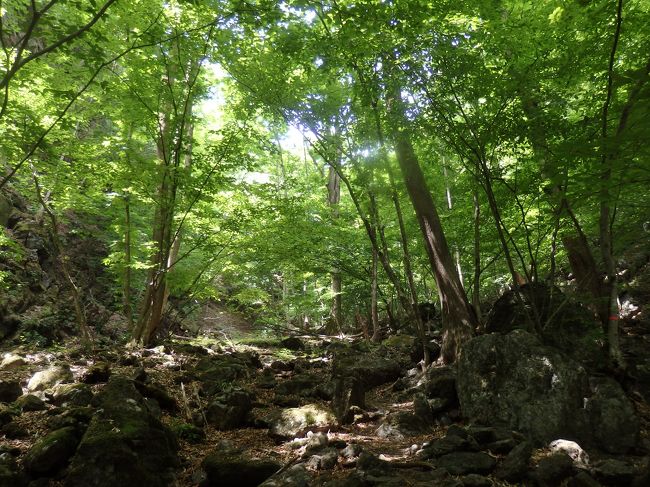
x,y
515,380
515,465
612,416
10,390
223,469
552,470
52,452
124,444
565,324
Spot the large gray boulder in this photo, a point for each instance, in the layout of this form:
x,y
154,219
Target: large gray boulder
x,y
517,381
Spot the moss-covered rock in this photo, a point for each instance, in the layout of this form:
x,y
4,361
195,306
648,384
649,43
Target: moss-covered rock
x,y
51,453
124,444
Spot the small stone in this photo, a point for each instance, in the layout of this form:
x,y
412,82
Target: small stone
x,y
352,450
571,448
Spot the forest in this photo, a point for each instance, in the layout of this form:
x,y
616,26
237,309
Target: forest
x,y
337,243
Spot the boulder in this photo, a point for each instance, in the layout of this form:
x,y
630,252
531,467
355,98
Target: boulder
x,y
10,475
295,422
157,392
10,390
51,453
615,472
124,443
7,414
30,402
224,468
562,322
292,343
612,416
572,449
516,381
552,470
230,410
300,385
371,369
70,395
515,465
12,361
97,373
403,424
50,377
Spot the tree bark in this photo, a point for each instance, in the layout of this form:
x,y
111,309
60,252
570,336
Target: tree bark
x,y
374,313
335,320
458,316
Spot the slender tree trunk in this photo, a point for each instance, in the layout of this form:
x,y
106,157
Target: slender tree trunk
x,y
476,290
610,284
374,313
126,293
86,337
335,320
458,316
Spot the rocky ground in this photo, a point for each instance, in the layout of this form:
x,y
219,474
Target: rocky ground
x,y
315,412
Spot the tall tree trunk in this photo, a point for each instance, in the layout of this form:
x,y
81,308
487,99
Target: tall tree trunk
x,y
335,320
458,316
476,294
374,312
126,292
